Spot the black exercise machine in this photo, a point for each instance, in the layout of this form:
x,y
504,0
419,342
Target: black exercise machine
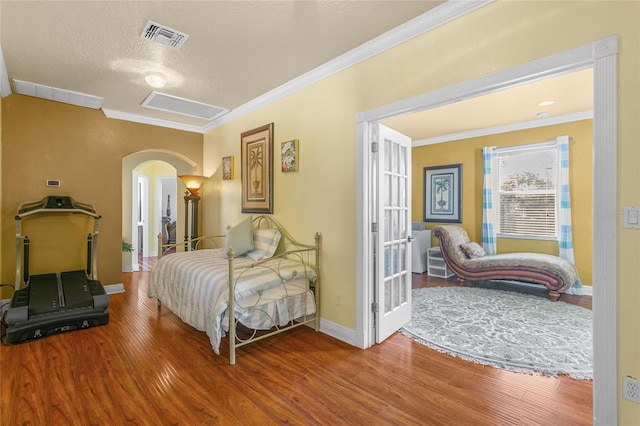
x,y
55,302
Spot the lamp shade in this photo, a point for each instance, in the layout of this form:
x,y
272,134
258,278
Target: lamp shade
x,y
192,182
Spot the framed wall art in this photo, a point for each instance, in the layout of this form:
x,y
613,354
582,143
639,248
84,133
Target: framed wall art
x,y
256,149
227,168
289,156
443,194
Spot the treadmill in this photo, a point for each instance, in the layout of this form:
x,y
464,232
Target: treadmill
x,y
54,303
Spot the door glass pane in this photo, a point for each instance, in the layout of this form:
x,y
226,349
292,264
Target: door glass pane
x,y
388,196
404,282
387,261
387,155
395,226
394,191
395,158
396,289
387,225
402,163
387,295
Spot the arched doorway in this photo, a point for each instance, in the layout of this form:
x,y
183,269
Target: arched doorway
x,y
133,207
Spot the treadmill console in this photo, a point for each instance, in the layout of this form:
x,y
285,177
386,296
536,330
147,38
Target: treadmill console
x,y
55,204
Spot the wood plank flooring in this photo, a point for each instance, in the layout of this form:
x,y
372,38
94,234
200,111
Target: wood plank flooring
x,y
149,368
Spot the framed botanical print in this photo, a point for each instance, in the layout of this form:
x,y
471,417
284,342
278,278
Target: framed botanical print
x,y
442,193
289,156
227,168
256,149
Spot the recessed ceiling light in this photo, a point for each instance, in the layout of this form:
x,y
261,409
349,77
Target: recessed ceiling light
x,y
546,103
155,79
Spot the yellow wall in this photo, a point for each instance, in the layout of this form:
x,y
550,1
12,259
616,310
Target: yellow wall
x,y
322,196
84,149
468,152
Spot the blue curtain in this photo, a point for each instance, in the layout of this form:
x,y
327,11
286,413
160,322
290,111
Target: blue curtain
x,y
565,234
489,212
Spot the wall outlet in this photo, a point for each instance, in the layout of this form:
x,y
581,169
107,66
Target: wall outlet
x,y
631,389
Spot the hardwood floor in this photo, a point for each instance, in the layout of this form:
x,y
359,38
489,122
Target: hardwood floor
x,y
149,368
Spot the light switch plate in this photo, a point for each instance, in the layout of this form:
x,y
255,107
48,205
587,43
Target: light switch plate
x,y
632,217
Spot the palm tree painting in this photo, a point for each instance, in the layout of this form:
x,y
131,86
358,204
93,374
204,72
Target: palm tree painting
x,y
256,150
443,201
255,169
442,187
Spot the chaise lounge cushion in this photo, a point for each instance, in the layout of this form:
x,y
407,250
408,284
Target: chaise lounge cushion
x,y
473,250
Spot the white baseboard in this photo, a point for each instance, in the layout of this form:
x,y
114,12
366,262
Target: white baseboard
x,y
114,288
131,268
338,331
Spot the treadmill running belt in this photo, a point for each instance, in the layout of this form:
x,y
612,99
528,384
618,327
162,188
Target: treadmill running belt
x,y
52,304
43,294
76,290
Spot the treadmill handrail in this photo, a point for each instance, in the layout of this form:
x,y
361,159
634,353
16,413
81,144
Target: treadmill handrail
x,y
79,208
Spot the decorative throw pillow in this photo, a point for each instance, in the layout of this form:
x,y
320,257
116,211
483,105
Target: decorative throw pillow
x,y
265,243
473,250
240,237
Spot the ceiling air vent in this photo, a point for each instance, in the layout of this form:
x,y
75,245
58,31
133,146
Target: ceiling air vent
x,y
163,35
182,106
55,94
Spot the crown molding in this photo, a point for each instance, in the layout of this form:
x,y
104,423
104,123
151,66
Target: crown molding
x,y
142,119
426,22
512,127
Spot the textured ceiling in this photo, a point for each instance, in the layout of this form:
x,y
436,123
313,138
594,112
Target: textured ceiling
x,y
236,51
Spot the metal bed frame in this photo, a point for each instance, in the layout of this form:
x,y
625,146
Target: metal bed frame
x,y
288,248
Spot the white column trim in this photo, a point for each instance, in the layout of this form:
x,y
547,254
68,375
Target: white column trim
x,y
605,205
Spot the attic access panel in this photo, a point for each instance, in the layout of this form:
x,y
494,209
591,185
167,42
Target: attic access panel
x,y
174,104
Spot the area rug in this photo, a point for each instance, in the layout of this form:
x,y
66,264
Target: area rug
x,y
512,331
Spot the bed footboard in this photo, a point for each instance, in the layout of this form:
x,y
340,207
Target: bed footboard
x,y
309,257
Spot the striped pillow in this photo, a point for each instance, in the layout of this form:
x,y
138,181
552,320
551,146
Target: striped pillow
x,y
265,243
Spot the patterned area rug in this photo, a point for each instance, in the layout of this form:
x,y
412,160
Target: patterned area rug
x,y
512,331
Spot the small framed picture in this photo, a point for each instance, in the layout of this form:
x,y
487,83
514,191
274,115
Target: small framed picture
x,y
227,168
289,156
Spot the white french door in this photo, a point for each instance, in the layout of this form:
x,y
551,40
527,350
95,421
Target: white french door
x,y
391,231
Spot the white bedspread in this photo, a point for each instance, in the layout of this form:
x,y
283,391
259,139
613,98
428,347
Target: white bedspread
x,y
194,285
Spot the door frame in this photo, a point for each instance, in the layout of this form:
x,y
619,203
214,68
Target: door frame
x,y
141,203
601,55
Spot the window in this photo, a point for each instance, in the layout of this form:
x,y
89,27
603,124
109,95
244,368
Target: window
x,y
528,191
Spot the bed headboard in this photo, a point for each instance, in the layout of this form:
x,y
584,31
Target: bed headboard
x,y
287,242
288,246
